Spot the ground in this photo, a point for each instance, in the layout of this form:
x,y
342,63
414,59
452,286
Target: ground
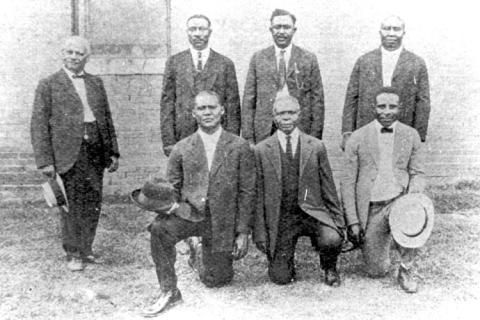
x,y
34,283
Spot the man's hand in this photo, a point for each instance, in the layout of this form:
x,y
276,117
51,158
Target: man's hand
x,y
113,165
345,138
240,248
167,150
48,171
355,234
262,246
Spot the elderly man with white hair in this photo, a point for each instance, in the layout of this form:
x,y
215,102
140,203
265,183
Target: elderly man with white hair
x,y
73,137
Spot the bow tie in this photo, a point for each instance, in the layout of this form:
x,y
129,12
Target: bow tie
x,y
386,130
78,76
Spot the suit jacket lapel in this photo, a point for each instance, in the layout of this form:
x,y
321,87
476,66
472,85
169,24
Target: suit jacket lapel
x,y
305,151
372,142
189,65
197,156
294,58
271,64
377,67
69,88
401,63
274,150
221,153
397,144
210,72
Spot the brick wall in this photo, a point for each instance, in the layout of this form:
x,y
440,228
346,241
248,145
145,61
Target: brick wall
x,y
337,34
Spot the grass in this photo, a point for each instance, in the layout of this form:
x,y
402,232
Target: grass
x,y
34,283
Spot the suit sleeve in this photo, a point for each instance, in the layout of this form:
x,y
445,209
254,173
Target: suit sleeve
x,y
422,102
350,108
317,101
249,102
415,166
40,127
175,171
349,182
259,226
232,107
328,189
113,144
246,189
167,106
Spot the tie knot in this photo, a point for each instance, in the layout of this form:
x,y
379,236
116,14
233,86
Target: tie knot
x,y
199,54
282,52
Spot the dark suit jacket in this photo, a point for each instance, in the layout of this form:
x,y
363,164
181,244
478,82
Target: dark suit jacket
x,y
57,126
410,77
304,82
317,194
178,95
361,169
228,189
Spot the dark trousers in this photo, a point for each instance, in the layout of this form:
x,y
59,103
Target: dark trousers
x,y
166,231
293,224
83,186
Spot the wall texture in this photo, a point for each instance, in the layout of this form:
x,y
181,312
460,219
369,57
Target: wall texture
x,y
336,31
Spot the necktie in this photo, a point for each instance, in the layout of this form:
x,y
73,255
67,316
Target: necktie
x,y
289,146
386,130
282,69
199,62
76,76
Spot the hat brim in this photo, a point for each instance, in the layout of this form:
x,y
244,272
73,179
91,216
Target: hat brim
x,y
147,204
395,218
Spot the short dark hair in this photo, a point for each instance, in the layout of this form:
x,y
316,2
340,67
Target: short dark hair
x,y
382,90
199,16
281,12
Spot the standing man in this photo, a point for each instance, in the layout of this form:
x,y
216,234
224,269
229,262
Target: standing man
x,y
73,135
282,67
296,196
383,163
390,65
189,72
214,171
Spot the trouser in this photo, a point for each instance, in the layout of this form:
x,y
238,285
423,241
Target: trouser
x,y
83,186
166,231
378,241
293,224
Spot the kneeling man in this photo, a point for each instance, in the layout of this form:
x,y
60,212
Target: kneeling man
x,y
383,163
214,171
296,196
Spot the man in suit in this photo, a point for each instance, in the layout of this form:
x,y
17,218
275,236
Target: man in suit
x,y
214,171
73,135
282,67
296,196
383,162
390,65
189,72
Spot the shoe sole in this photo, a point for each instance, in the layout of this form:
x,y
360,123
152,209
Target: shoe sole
x,y
168,307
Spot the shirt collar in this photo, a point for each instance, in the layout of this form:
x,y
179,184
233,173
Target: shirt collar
x,y
288,50
210,137
282,137
379,126
71,74
391,53
205,53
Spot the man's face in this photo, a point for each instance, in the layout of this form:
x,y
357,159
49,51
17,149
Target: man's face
x,y
282,30
392,31
286,116
208,112
387,108
74,56
198,33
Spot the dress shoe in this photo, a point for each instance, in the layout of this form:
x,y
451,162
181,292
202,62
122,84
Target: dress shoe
x,y
332,278
75,264
406,280
166,301
91,258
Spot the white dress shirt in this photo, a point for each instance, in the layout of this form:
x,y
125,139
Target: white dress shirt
x,y
389,62
385,186
210,144
205,54
286,55
282,138
79,84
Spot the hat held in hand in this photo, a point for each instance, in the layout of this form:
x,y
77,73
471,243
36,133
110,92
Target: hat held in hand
x,y
157,195
411,220
54,193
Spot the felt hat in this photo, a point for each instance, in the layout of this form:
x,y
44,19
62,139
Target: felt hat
x,y
54,193
411,220
157,195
